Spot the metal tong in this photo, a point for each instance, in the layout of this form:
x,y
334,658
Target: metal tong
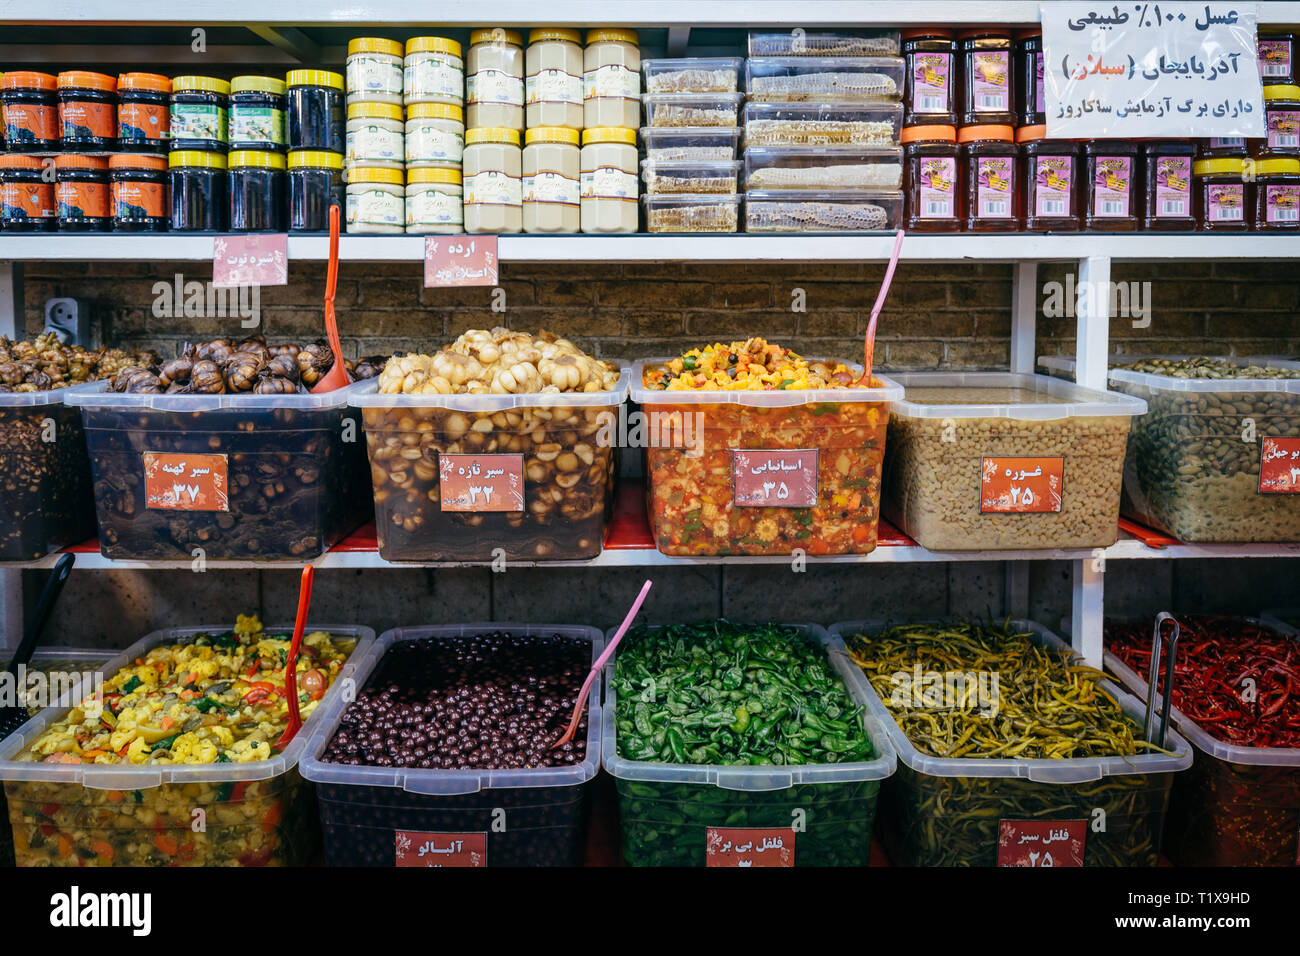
x,y
1153,679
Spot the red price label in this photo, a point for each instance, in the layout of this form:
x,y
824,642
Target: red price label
x,y
1021,485
460,260
1041,842
185,482
415,848
255,259
481,482
735,846
777,478
1279,466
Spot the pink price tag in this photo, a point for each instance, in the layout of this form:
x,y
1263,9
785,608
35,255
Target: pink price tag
x,y
737,846
1279,466
416,848
481,482
460,261
774,478
1041,842
255,259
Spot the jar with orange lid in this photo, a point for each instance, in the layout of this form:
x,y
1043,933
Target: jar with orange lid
x,y
553,78
1031,96
929,87
87,111
1051,181
31,112
138,193
1167,186
1110,181
143,117
987,75
1282,119
987,169
1222,194
1277,195
930,178
81,191
494,80
611,79
27,201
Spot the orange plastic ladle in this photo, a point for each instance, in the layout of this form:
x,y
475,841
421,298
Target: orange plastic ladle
x,y
337,376
869,351
291,665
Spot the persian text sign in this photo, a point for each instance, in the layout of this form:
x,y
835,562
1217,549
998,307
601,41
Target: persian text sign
x,y
460,260
254,259
1041,842
774,479
1279,466
415,848
737,846
1141,69
481,482
1021,485
185,482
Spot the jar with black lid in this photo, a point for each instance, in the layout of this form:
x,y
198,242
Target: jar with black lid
x,y
929,91
143,116
1229,147
315,106
1276,53
81,190
258,201
200,197
257,113
31,112
87,111
26,196
315,183
138,193
1031,98
198,113
987,77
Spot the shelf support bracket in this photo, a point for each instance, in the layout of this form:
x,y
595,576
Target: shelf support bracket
x,y
1024,316
1092,317
679,38
1087,613
12,305
289,40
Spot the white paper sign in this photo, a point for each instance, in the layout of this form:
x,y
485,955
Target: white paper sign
x,y
1140,69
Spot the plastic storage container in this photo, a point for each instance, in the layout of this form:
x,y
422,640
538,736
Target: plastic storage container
x,y
692,212
695,74
143,116
976,796
284,481
823,167
827,43
381,816
1111,199
822,124
702,437
680,814
822,211
553,78
689,145
806,79
138,193
433,71
690,177
673,110
1277,195
257,813
1005,461
552,439
375,71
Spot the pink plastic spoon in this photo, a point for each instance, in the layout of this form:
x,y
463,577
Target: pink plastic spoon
x,y
869,352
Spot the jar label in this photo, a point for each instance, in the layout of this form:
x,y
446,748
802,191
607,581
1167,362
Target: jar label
x,y
137,122
1284,129
257,124
1274,58
931,76
374,74
375,207
990,82
1279,466
83,120
433,74
481,482
426,143
493,188
1053,843
740,846
1226,203
28,122
78,200
936,188
1040,93
549,187
175,482
433,208
494,86
553,86
27,201
374,144
1282,203
1110,187
608,182
1053,179
133,200
420,848
1173,186
614,80
996,175
1021,485
198,121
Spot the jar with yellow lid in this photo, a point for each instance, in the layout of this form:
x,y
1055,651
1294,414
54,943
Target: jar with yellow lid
x,y
609,180
374,71
315,184
553,78
200,191
1223,194
257,118
493,182
494,80
1277,194
433,71
258,191
435,135
434,204
315,106
552,180
197,118
611,79
376,200
376,135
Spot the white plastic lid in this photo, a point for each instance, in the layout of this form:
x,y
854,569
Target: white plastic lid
x,y
887,391
1168,383
1069,400
366,395
97,395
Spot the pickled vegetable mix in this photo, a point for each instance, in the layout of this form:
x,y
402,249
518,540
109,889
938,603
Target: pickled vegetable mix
x,y
753,365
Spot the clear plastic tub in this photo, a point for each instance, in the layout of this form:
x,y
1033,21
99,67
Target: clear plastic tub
x,y
692,212
666,810
810,79
696,437
1237,806
554,441
46,502
948,811
793,210
839,168
822,124
676,110
256,813
690,145
827,43
1286,619
693,74
524,817
984,461
690,177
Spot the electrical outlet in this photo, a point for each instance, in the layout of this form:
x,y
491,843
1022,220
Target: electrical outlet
x,y
69,319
